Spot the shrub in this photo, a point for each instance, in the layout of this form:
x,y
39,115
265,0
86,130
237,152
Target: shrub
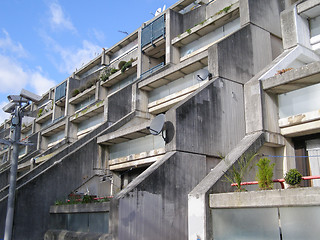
x,y
265,174
120,65
40,112
293,177
126,65
113,70
105,74
75,92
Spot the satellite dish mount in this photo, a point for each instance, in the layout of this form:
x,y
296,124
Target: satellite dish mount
x,y
157,126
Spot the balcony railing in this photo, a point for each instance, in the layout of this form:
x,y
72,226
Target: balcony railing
x,y
60,91
152,70
153,31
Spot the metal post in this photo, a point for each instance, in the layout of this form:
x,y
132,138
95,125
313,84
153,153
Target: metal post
x,y
16,125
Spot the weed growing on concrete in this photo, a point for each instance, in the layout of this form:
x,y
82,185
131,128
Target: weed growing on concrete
x,y
239,169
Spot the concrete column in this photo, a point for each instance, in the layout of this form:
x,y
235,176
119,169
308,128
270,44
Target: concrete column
x,y
139,55
295,29
173,29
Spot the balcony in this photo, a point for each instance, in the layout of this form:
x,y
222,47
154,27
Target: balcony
x,y
120,75
207,26
88,112
83,96
133,147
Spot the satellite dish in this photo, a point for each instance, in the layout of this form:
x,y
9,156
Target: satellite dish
x,y
156,125
157,12
164,8
202,74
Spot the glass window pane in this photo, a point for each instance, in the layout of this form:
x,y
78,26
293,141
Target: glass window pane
x,y
78,222
300,223
99,222
245,224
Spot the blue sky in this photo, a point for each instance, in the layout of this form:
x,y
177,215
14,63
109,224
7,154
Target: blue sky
x,y
43,41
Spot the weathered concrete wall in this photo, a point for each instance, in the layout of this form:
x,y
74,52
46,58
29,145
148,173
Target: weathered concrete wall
x,y
33,199
48,182
194,17
264,14
209,122
295,29
240,56
119,104
154,205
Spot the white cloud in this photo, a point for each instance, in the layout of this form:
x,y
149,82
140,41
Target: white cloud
x,y
40,83
12,75
13,78
3,115
58,20
99,35
73,58
7,45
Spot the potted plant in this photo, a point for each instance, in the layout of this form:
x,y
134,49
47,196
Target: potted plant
x,y
293,177
265,174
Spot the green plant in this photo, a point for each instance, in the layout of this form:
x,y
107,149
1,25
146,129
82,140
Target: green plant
x,y
188,30
24,125
40,112
126,65
293,177
265,174
121,63
113,70
105,74
226,9
237,172
75,92
87,199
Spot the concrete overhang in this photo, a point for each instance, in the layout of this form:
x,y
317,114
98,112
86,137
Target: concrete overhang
x,y
309,9
272,198
181,5
175,72
207,26
123,135
88,112
55,127
293,79
84,95
45,117
124,42
119,76
89,65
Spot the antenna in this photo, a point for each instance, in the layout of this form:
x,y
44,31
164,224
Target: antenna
x,y
203,74
157,125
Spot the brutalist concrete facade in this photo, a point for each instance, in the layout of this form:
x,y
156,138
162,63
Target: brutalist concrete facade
x,y
210,67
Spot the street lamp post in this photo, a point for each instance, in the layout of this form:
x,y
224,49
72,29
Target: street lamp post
x,y
17,110
16,127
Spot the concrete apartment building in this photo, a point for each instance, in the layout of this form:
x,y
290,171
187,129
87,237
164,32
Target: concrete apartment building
x,y
232,77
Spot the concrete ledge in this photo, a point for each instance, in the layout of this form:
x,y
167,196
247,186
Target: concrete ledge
x,y
81,208
293,79
269,198
68,235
